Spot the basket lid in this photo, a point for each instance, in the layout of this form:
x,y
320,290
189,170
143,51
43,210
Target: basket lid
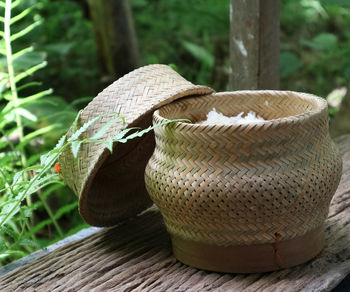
x,y
111,187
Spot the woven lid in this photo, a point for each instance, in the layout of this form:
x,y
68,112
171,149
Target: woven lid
x,y
111,187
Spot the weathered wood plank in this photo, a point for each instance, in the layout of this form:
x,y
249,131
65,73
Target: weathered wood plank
x,y
254,44
39,253
136,256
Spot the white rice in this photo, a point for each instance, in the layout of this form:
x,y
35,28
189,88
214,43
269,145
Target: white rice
x,y
215,118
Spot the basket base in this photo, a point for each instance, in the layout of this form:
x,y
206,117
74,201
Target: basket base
x,y
249,259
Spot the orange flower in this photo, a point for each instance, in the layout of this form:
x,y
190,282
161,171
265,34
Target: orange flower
x,y
57,167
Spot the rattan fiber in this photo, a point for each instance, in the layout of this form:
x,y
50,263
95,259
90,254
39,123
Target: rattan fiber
x,y
243,184
111,187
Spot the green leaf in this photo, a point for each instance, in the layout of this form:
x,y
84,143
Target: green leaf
x,y
7,212
27,213
29,84
15,3
60,142
10,232
25,31
76,121
200,53
21,15
34,97
50,190
28,242
8,253
17,176
26,114
40,183
30,71
49,157
122,134
322,42
59,48
104,129
34,229
28,60
22,52
75,146
109,145
66,209
344,3
289,64
29,137
82,129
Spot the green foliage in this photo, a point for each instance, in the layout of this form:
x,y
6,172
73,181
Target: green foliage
x,y
24,132
192,34
315,45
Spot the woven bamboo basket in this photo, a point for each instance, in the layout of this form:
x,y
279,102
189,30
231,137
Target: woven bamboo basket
x,y
250,197
110,186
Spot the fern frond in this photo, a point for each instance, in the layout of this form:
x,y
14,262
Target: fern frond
x,y
30,71
21,15
25,113
22,52
25,30
34,97
29,137
82,129
29,84
16,3
104,129
75,146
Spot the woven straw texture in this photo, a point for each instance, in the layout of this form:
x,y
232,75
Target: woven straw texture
x,y
242,184
111,187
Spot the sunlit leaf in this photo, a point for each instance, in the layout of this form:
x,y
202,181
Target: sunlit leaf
x,y
200,53
75,146
26,114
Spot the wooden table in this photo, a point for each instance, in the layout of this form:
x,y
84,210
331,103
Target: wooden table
x,y
136,256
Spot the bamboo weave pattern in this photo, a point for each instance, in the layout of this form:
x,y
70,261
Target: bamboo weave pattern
x,y
111,187
242,184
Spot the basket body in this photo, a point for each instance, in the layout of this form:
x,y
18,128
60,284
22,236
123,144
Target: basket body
x,y
245,198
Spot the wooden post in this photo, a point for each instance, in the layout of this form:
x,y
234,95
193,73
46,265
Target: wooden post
x,y
254,44
115,36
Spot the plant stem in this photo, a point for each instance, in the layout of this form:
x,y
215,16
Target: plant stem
x,y
12,81
11,73
32,182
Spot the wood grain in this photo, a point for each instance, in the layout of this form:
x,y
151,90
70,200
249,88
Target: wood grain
x,y
136,256
254,44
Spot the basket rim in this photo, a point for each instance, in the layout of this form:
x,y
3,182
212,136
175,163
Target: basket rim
x,y
321,105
